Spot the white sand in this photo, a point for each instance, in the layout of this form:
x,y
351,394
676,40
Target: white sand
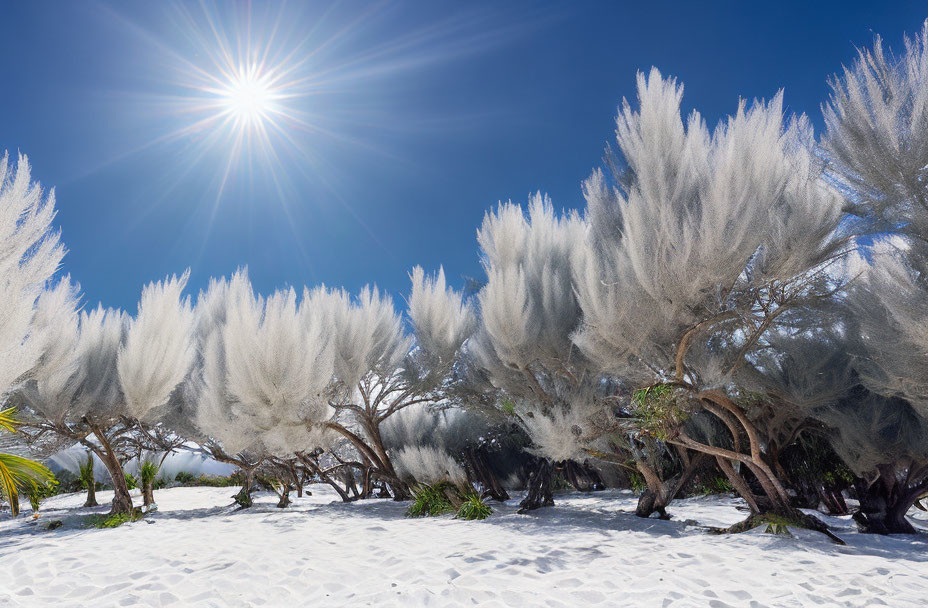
x,y
588,550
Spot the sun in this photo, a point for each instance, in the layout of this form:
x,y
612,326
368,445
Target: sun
x,y
248,97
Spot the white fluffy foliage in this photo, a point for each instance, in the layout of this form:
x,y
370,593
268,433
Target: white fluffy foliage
x,y
527,307
77,376
428,465
877,139
265,367
30,253
369,336
279,361
890,304
159,347
699,221
442,320
877,136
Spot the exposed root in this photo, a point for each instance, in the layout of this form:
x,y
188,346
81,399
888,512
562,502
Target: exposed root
x,y
780,524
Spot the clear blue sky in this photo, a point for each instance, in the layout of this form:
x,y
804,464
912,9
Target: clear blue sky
x,y
418,117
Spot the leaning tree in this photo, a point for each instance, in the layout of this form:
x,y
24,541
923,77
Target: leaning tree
x,y
528,310
877,147
705,244
380,369
104,376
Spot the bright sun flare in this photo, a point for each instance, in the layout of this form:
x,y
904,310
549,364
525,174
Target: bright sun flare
x,y
248,97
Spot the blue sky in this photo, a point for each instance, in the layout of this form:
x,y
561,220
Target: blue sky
x,y
412,120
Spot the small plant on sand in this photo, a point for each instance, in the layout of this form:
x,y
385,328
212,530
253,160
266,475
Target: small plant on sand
x,y
432,500
474,508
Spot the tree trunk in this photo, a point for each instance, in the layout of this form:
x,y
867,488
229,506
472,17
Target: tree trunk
x,y
122,501
400,490
479,471
91,495
243,498
885,502
659,493
284,501
539,487
148,494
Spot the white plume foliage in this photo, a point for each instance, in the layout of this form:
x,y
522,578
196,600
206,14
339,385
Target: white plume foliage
x,y
877,136
30,253
428,465
159,347
701,223
441,318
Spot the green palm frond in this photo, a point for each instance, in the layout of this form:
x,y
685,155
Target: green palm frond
x,y
18,473
8,420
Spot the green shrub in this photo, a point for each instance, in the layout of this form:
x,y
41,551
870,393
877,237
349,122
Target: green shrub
x,y
113,520
474,508
637,482
41,491
430,501
147,472
658,408
130,481
213,481
86,476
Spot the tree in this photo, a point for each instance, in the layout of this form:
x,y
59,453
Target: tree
x,y
528,310
380,370
877,146
267,365
30,252
104,376
706,245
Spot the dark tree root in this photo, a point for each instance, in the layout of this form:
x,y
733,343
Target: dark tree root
x,y
779,523
539,488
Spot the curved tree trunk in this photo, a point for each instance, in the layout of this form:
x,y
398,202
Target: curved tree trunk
x,y
122,501
659,493
539,487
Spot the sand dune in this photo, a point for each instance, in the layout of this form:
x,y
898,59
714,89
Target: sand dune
x,y
589,550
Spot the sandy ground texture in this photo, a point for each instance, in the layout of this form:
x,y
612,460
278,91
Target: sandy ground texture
x,y
588,550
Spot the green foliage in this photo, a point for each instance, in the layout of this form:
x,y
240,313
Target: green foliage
x,y
474,508
430,501
213,481
130,481
86,476
18,473
148,472
42,491
658,409
508,406
715,485
637,480
113,520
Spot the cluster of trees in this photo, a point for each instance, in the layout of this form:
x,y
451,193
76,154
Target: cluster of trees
x,y
750,299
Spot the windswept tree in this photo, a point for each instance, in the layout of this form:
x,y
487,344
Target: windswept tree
x,y
380,369
267,368
103,376
30,253
706,244
877,147
528,311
